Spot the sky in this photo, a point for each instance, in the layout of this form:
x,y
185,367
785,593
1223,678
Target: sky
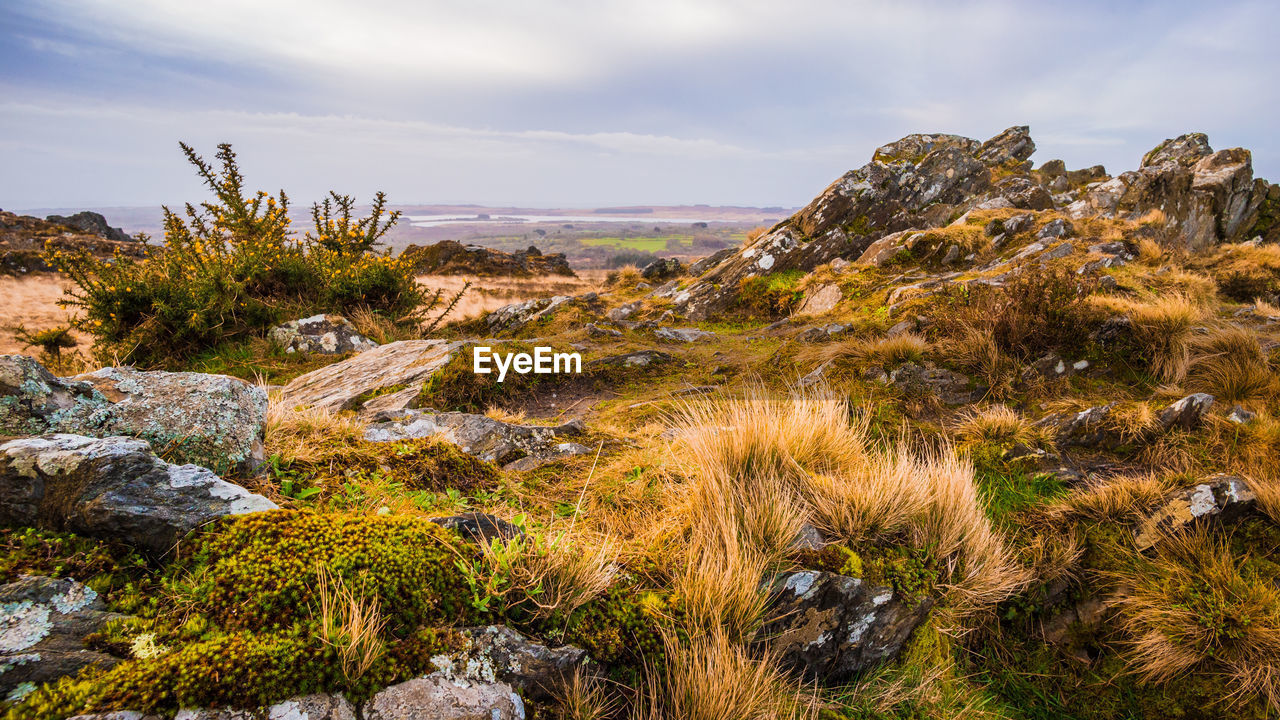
x,y
583,103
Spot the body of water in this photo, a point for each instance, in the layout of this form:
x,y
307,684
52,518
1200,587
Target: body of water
x,y
434,220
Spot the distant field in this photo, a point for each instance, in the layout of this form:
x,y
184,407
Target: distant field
x,y
643,244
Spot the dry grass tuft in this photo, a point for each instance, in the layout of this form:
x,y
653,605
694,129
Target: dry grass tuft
x,y
713,678
583,697
308,434
754,234
351,622
625,277
1194,607
1116,500
998,424
546,575
1163,329
1229,364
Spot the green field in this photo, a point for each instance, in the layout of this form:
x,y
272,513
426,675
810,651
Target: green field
x,y
643,244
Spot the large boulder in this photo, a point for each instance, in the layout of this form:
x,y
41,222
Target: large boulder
x,y
113,488
92,223
211,420
828,627
343,385
439,696
321,335
1206,197
919,181
516,447
43,623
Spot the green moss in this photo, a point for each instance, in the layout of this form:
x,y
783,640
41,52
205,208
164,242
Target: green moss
x,y
457,386
912,572
770,295
1009,491
859,226
258,572
110,569
415,464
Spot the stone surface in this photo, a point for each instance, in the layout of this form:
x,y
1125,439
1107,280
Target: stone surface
x,y
1221,496
479,528
449,257
496,653
306,707
684,335
642,358
662,269
488,439
321,335
513,317
1186,413
820,300
438,697
712,260
211,420
112,488
43,623
827,627
949,386
916,182
1206,197
1087,428
92,223
341,385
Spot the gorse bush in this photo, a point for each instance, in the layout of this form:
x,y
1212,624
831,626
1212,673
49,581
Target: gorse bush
x,y
231,268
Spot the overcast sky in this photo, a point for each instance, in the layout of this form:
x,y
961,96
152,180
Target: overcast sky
x,y
594,102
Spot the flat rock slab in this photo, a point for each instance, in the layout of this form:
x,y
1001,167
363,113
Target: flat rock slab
x,y
211,420
341,385
306,707
821,300
685,335
113,488
440,697
516,447
43,623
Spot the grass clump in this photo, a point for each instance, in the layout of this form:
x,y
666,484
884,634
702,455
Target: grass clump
x,y
770,296
232,268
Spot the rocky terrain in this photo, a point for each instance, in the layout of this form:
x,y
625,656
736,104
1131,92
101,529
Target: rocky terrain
x,y
449,257
24,239
963,437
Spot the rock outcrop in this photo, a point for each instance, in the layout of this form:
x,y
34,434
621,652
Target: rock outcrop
x,y
210,420
321,335
1206,197
449,257
24,240
498,653
43,623
515,447
343,385
113,488
91,222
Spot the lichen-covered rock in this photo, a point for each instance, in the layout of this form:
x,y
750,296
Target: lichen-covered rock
x,y
113,488
828,626
821,300
483,437
320,335
211,420
306,707
117,715
951,387
43,623
642,358
662,269
916,182
341,386
496,653
1087,428
711,260
684,335
1221,496
1186,413
1206,197
517,315
439,697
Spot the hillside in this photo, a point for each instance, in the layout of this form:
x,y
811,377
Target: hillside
x,y
962,437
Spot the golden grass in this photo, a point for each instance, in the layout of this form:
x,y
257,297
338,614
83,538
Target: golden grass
x,y
714,678
624,277
977,351
998,424
771,464
351,622
554,572
1229,364
1194,607
1115,500
583,697
308,434
1163,327
754,234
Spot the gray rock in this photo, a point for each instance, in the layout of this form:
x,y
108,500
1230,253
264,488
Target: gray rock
x,y
598,331
1241,416
827,627
113,488
1019,223
643,358
952,255
684,335
662,269
320,335
820,300
92,223
1025,193
1054,229
439,697
307,707
479,528
340,386
117,715
711,261
496,653
1087,428
1223,497
623,312
43,623
1186,413
483,437
211,420
951,387
1049,367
